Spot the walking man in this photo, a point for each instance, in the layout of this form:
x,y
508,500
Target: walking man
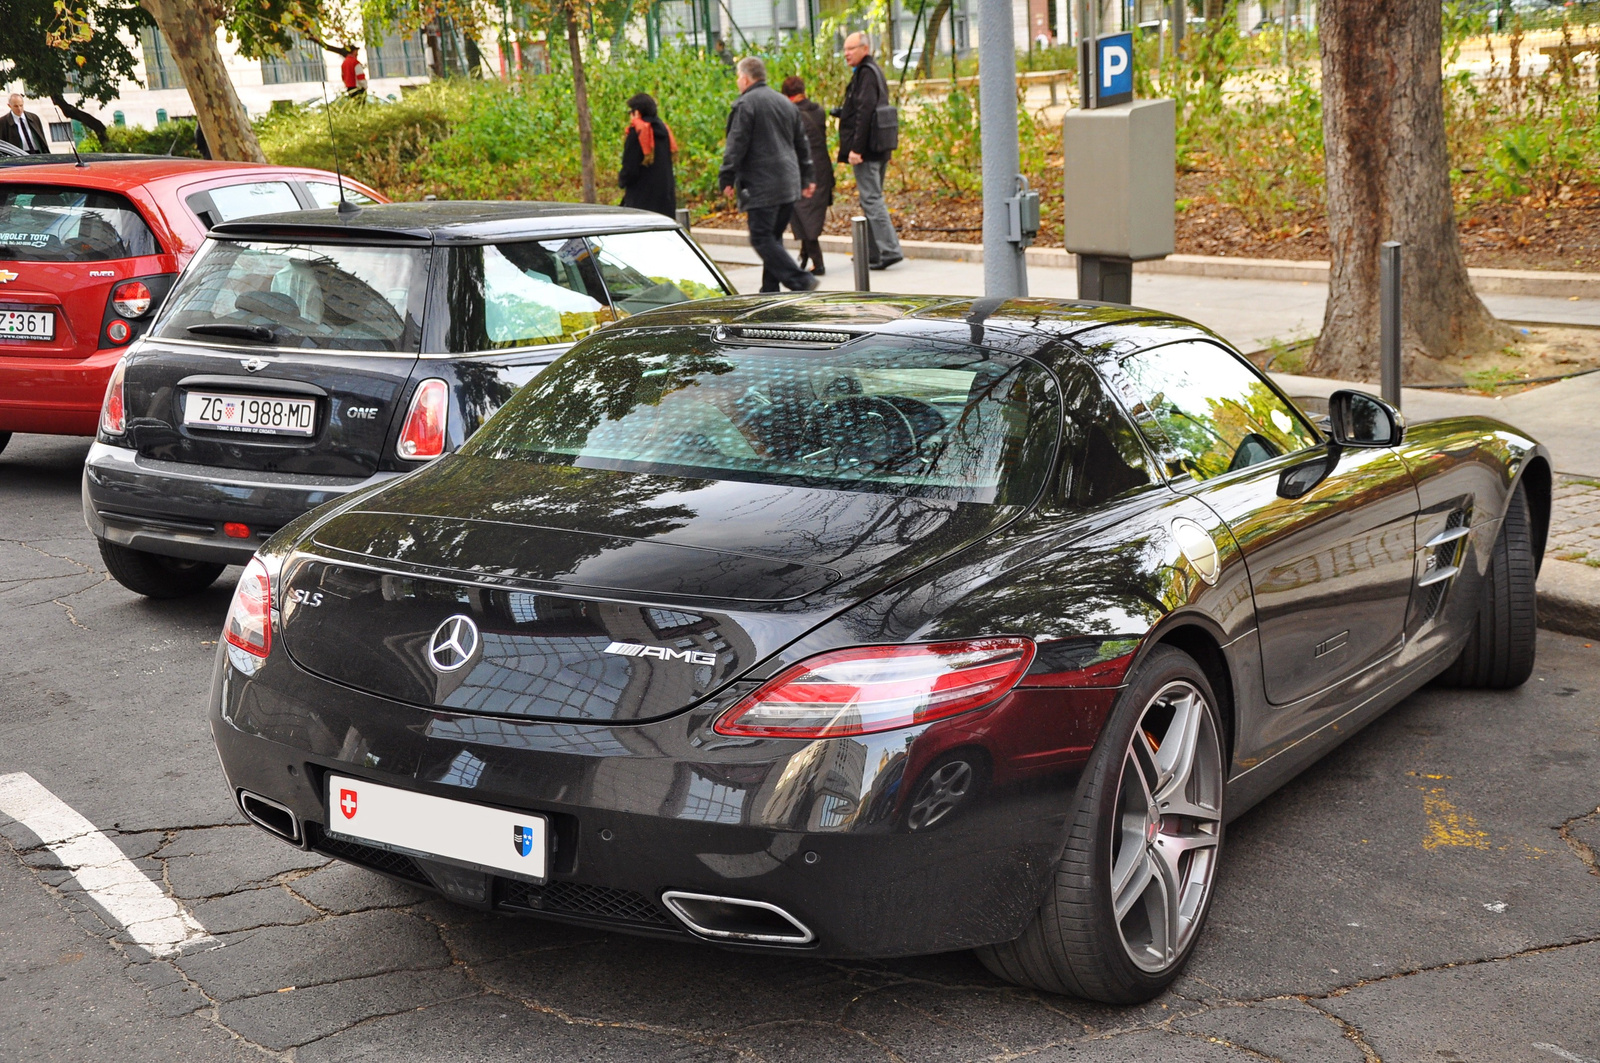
x,y
767,168
22,128
868,90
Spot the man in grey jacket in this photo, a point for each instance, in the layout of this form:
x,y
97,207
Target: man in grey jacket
x,y
767,167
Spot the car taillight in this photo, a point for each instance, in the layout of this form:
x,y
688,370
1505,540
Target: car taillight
x,y
879,688
249,623
131,299
113,417
423,433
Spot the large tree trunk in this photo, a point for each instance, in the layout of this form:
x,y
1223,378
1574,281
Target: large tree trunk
x,y
580,98
1388,175
190,28
931,41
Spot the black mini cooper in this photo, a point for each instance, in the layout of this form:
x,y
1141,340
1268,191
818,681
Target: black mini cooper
x,y
302,356
870,626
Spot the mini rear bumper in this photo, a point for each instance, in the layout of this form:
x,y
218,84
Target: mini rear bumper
x,y
644,815
178,510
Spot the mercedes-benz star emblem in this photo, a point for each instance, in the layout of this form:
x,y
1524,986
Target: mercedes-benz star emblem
x,y
254,365
453,643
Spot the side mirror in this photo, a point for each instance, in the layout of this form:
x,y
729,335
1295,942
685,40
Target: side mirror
x,y
1361,420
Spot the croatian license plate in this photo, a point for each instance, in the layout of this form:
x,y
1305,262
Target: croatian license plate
x,y
489,839
28,324
250,413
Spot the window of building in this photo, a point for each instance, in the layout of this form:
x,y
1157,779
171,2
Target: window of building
x,y
160,69
302,62
60,130
397,57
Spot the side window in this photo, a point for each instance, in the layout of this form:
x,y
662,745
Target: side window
x,y
1103,458
646,270
326,194
524,294
242,201
1206,412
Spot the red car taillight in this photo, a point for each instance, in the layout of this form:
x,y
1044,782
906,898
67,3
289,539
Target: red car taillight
x,y
131,299
879,688
113,416
249,623
423,433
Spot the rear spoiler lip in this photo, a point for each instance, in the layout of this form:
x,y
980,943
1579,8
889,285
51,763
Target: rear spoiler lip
x,y
280,233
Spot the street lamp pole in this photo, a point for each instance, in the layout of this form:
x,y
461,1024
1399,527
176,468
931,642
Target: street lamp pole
x,y
1005,272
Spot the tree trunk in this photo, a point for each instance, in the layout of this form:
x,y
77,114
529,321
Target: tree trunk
x,y
580,98
1388,178
89,121
931,41
190,28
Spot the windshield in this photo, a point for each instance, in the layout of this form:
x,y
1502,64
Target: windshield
x,y
874,415
335,297
45,223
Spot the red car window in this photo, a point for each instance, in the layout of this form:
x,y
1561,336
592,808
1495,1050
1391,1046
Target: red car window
x,y
50,223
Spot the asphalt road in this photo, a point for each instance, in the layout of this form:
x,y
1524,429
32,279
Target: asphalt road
x,y
1428,892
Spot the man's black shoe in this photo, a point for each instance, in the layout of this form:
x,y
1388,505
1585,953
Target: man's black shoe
x,y
818,271
886,261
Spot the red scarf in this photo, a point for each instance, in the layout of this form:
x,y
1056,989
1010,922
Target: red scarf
x,y
647,138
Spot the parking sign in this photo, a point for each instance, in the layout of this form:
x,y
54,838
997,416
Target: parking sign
x,y
1113,69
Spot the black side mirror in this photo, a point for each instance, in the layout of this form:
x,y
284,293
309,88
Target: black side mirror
x,y
1361,420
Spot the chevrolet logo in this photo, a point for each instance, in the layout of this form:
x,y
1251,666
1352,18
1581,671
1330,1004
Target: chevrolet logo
x,y
7,275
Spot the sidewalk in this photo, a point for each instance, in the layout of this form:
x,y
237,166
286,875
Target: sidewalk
x,y
1252,313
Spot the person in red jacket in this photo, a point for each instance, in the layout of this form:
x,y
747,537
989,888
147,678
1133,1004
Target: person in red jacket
x,y
354,75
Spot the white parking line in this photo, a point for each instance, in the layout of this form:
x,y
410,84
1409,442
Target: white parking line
x,y
155,921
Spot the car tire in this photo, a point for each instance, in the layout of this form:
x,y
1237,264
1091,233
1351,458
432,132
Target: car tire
x,y
1076,945
155,576
1499,653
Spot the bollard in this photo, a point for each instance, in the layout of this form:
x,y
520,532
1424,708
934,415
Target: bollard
x,y
1389,321
860,241
683,218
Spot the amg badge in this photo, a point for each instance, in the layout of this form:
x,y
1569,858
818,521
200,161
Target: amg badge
x,y
633,649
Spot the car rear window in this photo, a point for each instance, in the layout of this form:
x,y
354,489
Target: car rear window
x,y
875,414
646,270
49,223
332,296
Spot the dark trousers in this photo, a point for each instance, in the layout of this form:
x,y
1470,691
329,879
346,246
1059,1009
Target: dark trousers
x,y
778,267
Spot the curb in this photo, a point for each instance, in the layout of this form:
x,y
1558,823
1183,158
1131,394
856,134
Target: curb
x,y
1569,598
1551,283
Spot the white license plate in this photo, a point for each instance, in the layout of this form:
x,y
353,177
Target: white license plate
x,y
28,324
250,413
489,839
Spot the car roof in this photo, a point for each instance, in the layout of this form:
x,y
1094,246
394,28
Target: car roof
x,y
104,170
445,222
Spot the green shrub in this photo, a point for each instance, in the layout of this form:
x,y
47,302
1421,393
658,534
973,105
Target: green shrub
x,y
169,138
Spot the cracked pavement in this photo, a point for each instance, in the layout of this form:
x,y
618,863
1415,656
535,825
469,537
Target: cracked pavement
x,y
1430,891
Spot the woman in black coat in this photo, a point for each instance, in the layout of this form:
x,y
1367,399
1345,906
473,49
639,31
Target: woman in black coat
x,y
646,177
811,214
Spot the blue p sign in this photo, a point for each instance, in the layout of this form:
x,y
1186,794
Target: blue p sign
x,y
1113,64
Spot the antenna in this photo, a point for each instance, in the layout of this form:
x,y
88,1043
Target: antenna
x,y
80,164
346,208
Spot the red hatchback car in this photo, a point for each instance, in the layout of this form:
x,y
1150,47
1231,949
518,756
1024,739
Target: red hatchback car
x,y
87,252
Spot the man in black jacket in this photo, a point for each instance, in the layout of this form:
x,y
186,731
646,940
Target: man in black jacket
x,y
767,166
868,90
23,128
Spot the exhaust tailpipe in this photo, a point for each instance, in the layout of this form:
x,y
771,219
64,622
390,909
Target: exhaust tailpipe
x,y
734,919
269,815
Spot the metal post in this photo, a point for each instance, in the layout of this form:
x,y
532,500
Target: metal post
x,y
1389,318
1004,268
683,218
860,252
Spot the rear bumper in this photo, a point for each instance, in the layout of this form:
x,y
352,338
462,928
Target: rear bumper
x,y
821,830
178,510
53,396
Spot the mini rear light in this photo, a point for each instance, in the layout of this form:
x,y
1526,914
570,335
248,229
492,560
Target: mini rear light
x,y
880,688
236,531
131,299
113,417
422,436
249,623
118,331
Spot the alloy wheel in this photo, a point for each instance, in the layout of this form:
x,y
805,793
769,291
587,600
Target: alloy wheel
x,y
939,794
1167,826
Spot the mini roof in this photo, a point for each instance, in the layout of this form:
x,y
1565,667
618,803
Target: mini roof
x,y
445,222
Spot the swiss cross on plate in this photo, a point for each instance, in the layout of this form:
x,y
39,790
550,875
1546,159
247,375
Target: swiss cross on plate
x,y
347,803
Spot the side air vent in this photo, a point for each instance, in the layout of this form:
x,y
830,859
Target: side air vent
x,y
1443,561
800,336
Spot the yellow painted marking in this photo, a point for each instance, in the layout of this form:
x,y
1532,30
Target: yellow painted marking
x,y
1447,825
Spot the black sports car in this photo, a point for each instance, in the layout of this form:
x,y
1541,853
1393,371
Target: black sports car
x,y
871,626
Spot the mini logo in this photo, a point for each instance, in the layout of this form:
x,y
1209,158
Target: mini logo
x,y
453,643
6,275
660,653
254,365
347,803
522,839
